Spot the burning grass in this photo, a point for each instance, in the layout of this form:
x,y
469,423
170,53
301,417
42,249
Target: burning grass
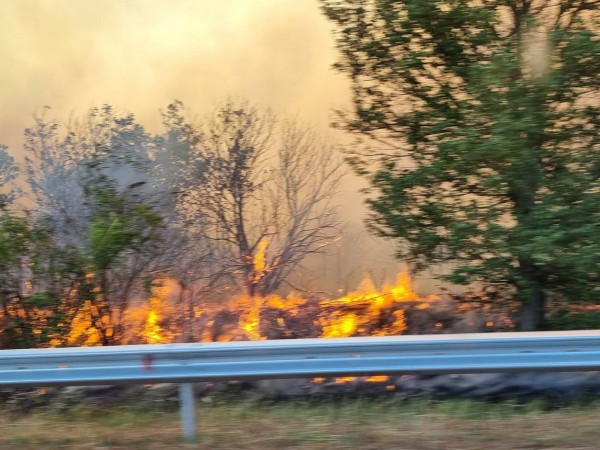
x,y
350,424
370,310
367,311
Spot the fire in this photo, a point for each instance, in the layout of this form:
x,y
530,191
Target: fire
x,y
368,310
377,379
260,257
83,332
365,311
153,332
343,326
403,290
250,318
344,380
373,302
87,322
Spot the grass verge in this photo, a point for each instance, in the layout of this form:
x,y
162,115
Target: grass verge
x,y
349,424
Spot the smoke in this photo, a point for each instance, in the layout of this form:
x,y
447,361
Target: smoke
x,y
140,55
537,53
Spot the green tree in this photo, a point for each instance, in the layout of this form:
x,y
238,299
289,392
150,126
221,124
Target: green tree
x,y
121,229
39,285
92,193
8,172
482,123
32,309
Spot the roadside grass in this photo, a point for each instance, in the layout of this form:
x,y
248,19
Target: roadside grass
x,y
368,424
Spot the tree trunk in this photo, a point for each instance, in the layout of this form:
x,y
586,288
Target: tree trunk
x,y
531,317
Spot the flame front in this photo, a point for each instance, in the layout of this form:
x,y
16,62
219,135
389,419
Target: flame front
x,y
366,311
260,257
153,332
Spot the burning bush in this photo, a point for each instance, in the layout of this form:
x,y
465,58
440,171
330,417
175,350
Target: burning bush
x,y
368,311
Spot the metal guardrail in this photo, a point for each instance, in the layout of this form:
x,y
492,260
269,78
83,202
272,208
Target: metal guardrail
x,y
186,363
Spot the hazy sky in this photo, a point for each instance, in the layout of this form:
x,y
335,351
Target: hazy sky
x,y
139,55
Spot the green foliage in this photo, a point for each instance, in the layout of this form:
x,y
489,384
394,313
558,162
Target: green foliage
x,y
43,300
8,172
567,320
488,144
63,277
15,236
93,237
118,227
44,282
28,319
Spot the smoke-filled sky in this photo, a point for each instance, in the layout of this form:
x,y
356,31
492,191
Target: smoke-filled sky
x,y
139,55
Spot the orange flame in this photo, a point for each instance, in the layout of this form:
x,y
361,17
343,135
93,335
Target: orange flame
x,y
351,315
153,333
341,324
83,332
260,257
260,260
368,310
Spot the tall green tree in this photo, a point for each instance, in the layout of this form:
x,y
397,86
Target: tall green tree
x,y
482,148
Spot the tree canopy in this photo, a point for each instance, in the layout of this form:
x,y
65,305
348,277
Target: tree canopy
x,y
482,148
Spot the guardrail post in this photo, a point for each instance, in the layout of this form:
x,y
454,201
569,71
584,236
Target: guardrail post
x,y
187,408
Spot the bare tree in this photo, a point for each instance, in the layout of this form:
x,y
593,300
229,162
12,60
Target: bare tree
x,y
266,194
